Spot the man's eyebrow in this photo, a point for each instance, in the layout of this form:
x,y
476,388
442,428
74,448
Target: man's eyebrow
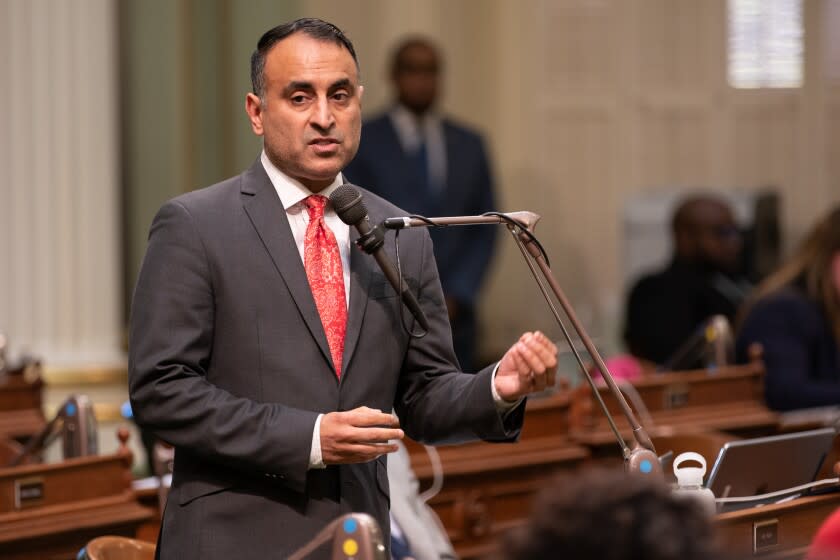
x,y
307,86
295,86
342,83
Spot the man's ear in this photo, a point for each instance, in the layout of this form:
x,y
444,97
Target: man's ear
x,y
254,108
361,92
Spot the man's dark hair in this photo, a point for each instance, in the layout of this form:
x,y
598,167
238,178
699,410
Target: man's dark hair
x,y
603,514
312,27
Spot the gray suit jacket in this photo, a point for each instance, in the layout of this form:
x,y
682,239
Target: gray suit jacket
x,y
228,362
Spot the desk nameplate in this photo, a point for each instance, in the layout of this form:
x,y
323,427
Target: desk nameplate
x,y
765,535
29,492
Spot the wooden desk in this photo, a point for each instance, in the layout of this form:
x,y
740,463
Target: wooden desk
x,y
730,400
50,511
488,487
791,526
20,402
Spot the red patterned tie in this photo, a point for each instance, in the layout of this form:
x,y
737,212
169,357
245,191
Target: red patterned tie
x,y
322,262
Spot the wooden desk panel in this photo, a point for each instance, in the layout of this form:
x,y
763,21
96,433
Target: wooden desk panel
x,y
488,488
744,418
729,400
796,523
50,511
21,415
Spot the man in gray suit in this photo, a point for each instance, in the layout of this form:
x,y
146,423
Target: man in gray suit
x,y
265,350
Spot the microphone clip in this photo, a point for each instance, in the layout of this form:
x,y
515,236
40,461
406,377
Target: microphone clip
x,y
371,241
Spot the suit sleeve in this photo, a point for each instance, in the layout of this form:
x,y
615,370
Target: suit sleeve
x,y
171,342
436,403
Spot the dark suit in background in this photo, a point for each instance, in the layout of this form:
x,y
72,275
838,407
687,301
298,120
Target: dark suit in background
x,y
462,253
429,165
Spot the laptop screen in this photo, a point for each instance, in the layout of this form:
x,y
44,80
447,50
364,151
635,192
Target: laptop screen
x,y
751,467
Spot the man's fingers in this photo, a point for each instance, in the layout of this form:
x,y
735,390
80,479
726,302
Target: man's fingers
x,y
364,416
522,367
534,361
344,441
375,435
546,342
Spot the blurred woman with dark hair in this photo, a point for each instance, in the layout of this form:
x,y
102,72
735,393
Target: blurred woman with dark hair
x,y
795,317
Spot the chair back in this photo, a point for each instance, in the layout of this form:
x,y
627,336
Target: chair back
x,y
117,548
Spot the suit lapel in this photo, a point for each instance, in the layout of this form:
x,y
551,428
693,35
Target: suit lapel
x,y
360,269
269,218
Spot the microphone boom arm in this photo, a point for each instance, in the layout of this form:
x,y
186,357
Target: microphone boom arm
x,y
641,458
525,218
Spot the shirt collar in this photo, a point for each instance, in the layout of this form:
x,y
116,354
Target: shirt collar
x,y
291,191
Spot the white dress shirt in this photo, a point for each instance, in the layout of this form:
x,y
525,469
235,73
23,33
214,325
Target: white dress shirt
x,y
292,193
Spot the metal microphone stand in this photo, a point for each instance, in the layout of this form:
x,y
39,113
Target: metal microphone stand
x,y
641,458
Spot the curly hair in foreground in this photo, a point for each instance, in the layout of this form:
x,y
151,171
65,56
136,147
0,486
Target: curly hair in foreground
x,y
609,515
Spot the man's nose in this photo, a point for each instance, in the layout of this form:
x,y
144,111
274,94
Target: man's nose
x,y
322,115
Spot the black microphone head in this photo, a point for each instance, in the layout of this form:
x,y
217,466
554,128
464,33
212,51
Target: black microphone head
x,y
347,202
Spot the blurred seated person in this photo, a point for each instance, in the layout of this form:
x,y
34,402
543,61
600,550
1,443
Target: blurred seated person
x,y
826,542
795,316
703,279
599,514
416,531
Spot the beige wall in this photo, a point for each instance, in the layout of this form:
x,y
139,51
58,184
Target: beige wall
x,y
59,181
587,103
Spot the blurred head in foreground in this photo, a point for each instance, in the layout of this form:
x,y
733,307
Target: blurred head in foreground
x,y
599,514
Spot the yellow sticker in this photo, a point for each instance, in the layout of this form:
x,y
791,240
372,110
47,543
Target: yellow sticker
x,y
351,547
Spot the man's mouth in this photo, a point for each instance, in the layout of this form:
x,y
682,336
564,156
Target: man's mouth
x,y
326,146
323,141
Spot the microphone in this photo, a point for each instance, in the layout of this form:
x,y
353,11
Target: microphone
x,y
355,536
710,346
348,204
527,219
78,431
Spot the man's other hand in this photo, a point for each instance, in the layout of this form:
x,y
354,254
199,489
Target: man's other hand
x,y
358,435
528,367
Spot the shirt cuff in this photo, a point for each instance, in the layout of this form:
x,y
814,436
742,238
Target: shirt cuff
x,y
316,460
501,404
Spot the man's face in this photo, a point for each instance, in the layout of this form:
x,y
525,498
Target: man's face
x,y
416,78
310,114
719,241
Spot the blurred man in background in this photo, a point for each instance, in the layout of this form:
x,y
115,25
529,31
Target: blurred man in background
x,y
430,165
703,279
